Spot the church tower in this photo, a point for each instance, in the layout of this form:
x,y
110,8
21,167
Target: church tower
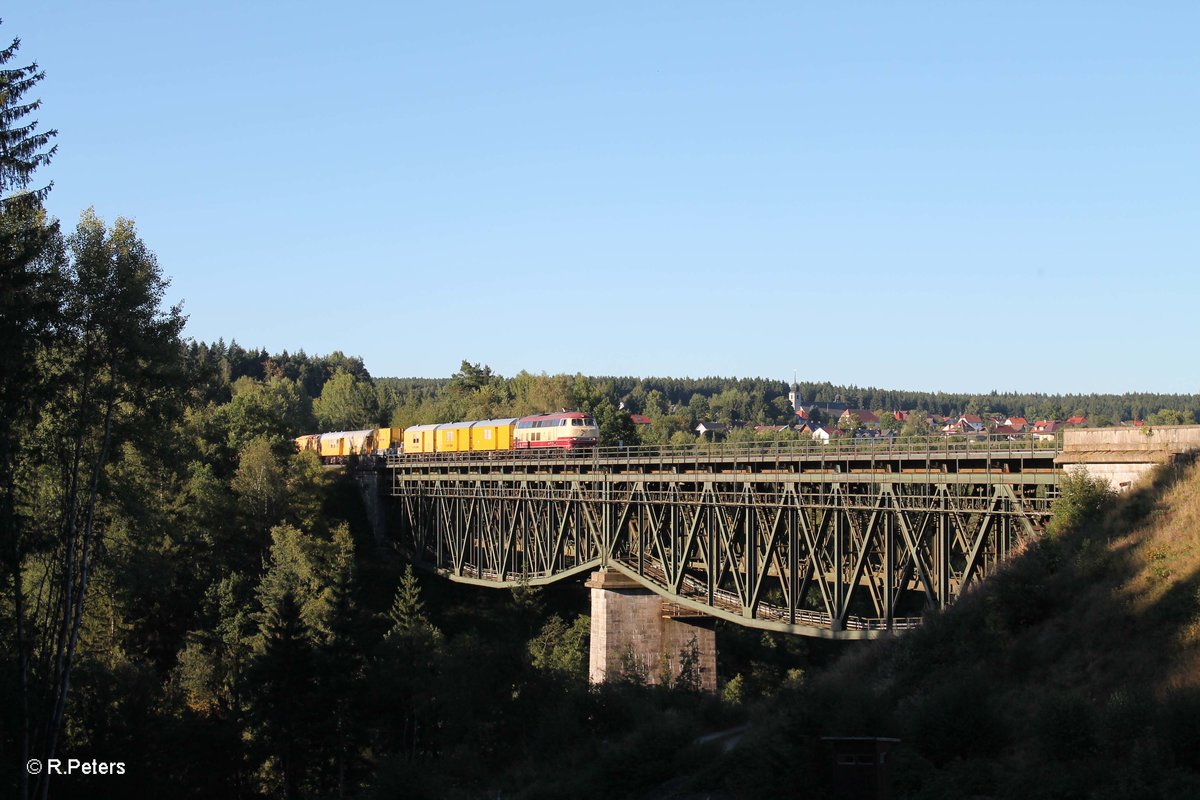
x,y
794,394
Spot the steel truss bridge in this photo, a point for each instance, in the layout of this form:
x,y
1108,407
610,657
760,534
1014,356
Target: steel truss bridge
x,y
833,541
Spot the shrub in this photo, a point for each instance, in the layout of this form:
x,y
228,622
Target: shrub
x,y
1081,501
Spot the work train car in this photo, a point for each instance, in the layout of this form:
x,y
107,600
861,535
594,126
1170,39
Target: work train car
x,y
566,430
337,447
460,437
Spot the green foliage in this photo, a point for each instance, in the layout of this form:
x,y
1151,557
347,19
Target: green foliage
x,y
734,690
888,421
303,567
1081,500
408,609
284,674
1171,416
916,424
688,678
346,403
275,409
259,482
561,649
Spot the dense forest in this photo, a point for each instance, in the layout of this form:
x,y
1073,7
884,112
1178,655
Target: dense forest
x,y
675,406
186,596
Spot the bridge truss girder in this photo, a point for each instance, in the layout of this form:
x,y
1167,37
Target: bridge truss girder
x,y
838,556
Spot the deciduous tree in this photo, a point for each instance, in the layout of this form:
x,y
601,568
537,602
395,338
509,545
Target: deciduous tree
x,y
346,403
116,367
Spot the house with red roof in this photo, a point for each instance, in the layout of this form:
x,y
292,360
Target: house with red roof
x,y
823,435
1047,430
866,418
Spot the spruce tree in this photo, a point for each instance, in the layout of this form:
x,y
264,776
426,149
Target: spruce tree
x,y
341,669
28,308
283,677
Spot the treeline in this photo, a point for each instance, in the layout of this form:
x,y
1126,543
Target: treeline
x,y
674,406
759,400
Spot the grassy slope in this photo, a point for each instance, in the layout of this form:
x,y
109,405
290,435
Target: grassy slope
x,y
1073,673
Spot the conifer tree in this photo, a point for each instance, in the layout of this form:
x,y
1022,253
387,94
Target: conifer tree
x,y
283,677
28,307
407,670
408,609
341,665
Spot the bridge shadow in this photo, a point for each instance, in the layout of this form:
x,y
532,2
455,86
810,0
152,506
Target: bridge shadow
x,y
1074,669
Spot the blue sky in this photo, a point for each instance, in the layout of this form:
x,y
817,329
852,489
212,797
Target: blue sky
x,y
942,196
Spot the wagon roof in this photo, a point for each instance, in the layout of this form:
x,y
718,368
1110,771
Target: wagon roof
x,y
344,434
557,415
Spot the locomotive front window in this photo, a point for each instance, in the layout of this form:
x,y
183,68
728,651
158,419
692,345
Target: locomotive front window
x,y
576,422
589,421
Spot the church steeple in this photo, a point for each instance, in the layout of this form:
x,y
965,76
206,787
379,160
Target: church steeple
x,y
794,393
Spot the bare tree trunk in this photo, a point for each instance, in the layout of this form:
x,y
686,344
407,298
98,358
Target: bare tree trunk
x,y
75,588
8,519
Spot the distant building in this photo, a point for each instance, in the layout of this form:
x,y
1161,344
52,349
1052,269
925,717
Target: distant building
x,y
823,434
866,419
711,427
970,423
1047,430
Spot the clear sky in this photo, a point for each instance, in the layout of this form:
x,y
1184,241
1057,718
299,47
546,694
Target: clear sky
x,y
928,196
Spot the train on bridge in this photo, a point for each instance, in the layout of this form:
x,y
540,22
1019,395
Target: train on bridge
x,y
565,430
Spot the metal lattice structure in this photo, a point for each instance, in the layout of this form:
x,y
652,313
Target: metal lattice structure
x,y
842,544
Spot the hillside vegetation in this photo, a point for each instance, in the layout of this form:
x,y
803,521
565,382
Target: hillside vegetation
x,y
1075,672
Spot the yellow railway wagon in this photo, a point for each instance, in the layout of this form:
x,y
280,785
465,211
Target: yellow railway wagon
x,y
454,437
492,434
344,443
420,439
308,442
387,438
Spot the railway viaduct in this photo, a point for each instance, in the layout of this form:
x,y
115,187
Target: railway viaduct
x,y
843,541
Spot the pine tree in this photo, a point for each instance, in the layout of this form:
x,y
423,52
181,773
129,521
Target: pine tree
x,y
28,309
408,667
341,666
408,609
283,674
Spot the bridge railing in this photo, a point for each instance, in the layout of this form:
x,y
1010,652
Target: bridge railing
x,y
973,445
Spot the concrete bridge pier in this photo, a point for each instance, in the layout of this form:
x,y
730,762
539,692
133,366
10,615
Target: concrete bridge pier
x,y
371,486
635,630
